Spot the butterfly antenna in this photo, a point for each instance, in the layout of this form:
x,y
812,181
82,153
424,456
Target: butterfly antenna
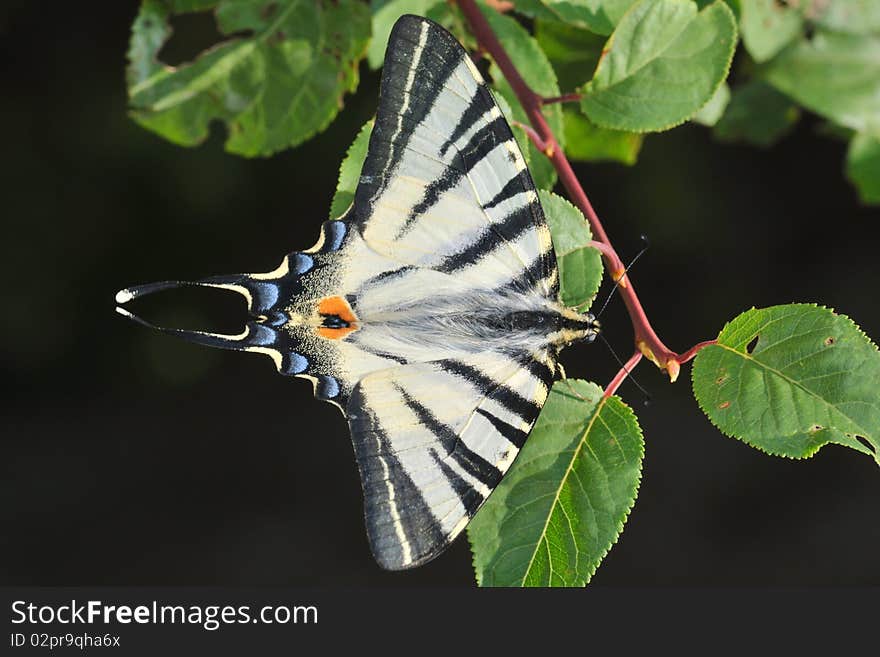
x,y
620,278
628,372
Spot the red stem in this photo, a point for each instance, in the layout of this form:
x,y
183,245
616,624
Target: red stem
x,y
564,98
690,353
647,341
620,377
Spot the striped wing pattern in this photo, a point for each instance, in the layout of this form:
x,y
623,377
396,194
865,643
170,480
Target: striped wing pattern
x,y
433,440
426,313
446,197
444,184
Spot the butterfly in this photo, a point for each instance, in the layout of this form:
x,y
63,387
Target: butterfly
x,y
429,312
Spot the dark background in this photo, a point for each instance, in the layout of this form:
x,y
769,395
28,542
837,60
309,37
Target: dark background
x,y
132,458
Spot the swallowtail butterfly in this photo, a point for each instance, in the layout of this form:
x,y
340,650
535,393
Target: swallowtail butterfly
x,y
429,313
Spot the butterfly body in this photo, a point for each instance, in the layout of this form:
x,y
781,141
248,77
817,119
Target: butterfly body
x,y
429,313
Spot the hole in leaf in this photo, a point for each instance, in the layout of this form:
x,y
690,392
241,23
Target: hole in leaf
x,y
809,31
721,379
865,442
815,428
191,35
829,341
723,405
750,347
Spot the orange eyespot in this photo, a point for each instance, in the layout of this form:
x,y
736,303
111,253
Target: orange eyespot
x,y
339,319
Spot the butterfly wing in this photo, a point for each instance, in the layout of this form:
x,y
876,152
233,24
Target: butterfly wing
x,y
433,440
445,204
445,226
444,185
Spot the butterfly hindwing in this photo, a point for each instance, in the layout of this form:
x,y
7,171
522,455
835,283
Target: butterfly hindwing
x,y
433,439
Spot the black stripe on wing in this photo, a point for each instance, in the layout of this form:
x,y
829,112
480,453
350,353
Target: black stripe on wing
x,y
513,225
483,142
412,76
513,401
420,58
468,460
390,496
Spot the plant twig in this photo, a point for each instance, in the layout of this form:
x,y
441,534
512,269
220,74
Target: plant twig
x,y
620,377
564,98
647,342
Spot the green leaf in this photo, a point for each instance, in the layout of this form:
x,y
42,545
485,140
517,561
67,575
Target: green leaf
x,y
587,142
599,16
835,75
712,111
662,64
385,15
565,500
535,68
790,379
863,166
350,172
274,88
573,52
757,114
855,16
767,26
580,265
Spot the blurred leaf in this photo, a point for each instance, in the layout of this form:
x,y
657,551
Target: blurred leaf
x,y
565,499
757,114
790,379
662,64
273,88
863,166
350,172
835,131
767,26
599,16
835,75
735,6
587,142
385,15
580,265
711,112
573,52
535,68
855,16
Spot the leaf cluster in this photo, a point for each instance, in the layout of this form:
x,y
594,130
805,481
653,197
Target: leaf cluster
x,y
281,68
786,380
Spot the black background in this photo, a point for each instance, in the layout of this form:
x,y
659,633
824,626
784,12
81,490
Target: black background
x,y
132,458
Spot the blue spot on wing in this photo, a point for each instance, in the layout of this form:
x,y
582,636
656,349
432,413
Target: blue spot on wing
x,y
328,387
334,234
302,263
295,364
261,336
265,294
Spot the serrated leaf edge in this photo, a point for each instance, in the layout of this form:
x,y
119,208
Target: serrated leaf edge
x,y
674,124
621,522
747,441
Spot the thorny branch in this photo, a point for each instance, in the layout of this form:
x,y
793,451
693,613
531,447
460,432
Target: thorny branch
x,y
647,343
